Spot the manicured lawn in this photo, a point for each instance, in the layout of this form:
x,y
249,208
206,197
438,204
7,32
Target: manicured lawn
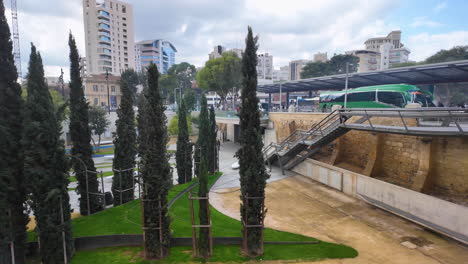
x,y
105,151
126,219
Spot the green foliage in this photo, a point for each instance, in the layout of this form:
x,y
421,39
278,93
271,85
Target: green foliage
x,y
178,76
190,99
125,142
184,147
12,182
154,168
46,166
204,235
336,65
221,75
202,145
173,127
212,151
252,171
453,54
98,123
405,64
132,80
81,137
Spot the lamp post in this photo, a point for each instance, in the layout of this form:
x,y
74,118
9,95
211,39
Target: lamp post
x,y
346,85
108,95
281,98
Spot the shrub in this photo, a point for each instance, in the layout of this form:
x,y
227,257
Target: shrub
x,y
173,127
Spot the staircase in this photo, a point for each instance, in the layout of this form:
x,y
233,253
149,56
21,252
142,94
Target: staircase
x,y
304,143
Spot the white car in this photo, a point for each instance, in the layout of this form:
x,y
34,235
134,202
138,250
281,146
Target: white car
x,y
235,165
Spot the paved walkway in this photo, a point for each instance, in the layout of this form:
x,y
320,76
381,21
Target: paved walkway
x,y
300,205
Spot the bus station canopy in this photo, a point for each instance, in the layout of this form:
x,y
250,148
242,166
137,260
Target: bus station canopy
x,y
446,72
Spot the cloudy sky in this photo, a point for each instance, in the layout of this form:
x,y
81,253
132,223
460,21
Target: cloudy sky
x,y
292,29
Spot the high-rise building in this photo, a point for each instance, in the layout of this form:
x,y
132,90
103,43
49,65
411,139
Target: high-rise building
x,y
217,52
391,50
158,51
295,69
109,36
138,67
265,66
321,56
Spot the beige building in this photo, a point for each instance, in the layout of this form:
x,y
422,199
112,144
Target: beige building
x,y
368,60
109,36
321,56
217,52
295,69
95,90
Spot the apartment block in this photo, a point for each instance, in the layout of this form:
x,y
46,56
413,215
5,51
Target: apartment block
x,y
158,51
109,36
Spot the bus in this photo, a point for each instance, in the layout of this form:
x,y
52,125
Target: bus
x,y
379,96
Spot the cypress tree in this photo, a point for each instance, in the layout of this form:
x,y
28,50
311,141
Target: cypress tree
x,y
125,142
46,166
13,220
81,137
154,168
212,146
202,145
203,238
252,171
184,148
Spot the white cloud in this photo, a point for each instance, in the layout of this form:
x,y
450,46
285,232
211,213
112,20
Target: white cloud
x,y
424,22
440,6
424,45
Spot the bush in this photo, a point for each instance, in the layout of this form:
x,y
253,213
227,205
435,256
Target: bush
x,y
173,127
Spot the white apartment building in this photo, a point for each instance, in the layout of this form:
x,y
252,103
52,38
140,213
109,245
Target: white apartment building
x,y
390,48
265,66
109,36
282,74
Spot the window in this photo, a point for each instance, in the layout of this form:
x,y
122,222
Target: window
x,y
102,88
124,9
95,88
113,88
95,101
392,98
361,97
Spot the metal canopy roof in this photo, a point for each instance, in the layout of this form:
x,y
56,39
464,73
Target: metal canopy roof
x,y
446,72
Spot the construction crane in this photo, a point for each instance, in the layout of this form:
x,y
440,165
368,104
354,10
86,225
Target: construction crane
x,y
16,43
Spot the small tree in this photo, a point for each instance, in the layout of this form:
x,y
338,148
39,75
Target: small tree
x,y
184,148
82,161
202,145
212,151
13,192
204,235
98,124
252,170
46,167
125,142
155,169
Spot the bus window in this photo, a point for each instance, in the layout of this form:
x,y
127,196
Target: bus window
x,y
393,98
336,98
361,97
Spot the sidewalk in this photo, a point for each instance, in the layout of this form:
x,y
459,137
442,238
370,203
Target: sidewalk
x,y
299,205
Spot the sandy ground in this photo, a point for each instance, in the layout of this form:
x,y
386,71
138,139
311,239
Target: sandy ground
x,y
299,205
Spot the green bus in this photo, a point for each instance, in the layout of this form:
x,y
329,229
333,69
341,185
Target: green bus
x,y
379,96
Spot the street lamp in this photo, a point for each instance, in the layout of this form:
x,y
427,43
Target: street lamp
x,y
108,95
346,84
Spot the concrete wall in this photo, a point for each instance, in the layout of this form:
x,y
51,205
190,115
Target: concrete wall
x,y
442,216
436,165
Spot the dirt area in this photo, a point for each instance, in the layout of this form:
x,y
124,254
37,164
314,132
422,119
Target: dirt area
x,y
300,205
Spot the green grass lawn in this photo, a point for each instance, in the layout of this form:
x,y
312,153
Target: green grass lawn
x,y
105,151
126,219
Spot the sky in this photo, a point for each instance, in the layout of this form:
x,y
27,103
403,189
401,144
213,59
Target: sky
x,y
289,30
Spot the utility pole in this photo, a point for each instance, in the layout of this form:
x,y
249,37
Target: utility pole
x,y
16,42
108,95
346,85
